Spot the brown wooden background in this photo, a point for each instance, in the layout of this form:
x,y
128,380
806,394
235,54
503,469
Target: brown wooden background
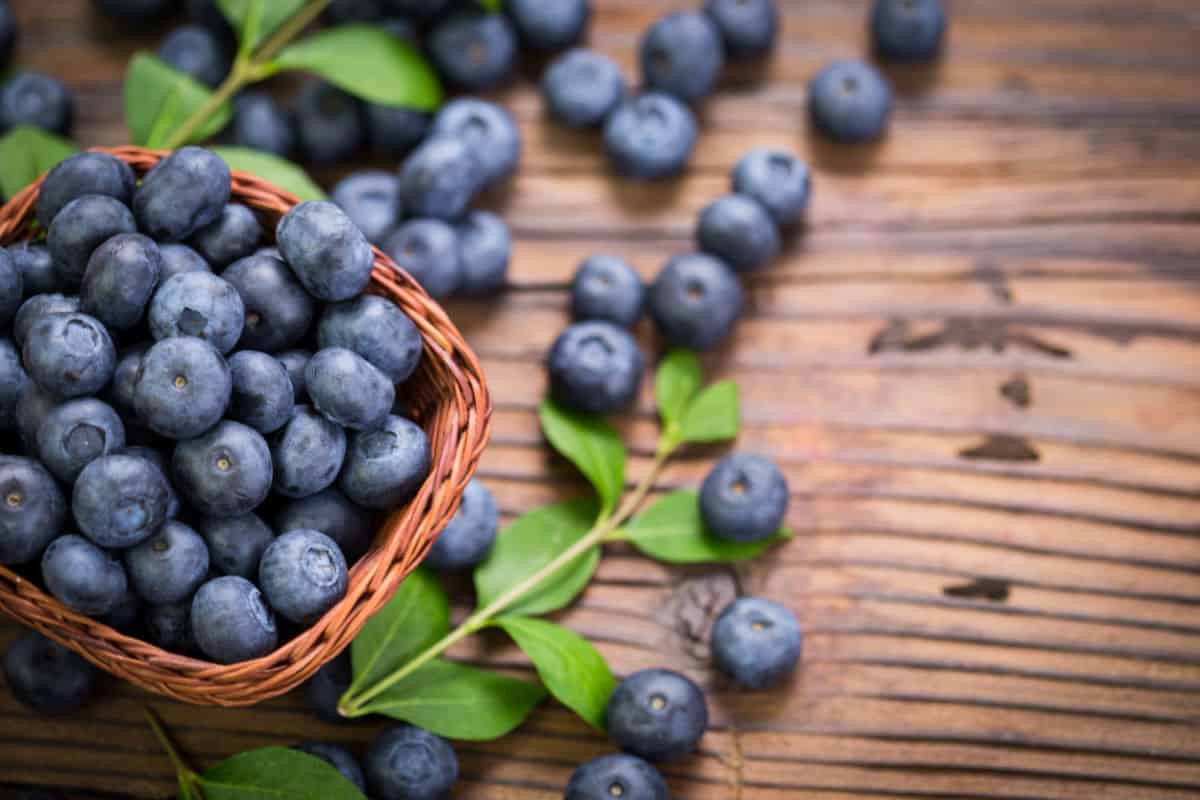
x,y
979,367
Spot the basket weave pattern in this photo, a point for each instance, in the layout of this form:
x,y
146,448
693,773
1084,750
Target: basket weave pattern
x,y
447,396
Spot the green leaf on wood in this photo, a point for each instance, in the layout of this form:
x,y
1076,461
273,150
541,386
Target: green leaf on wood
x,y
570,667
272,14
26,153
531,542
158,99
368,62
592,445
672,530
416,617
713,415
276,773
676,382
459,702
273,169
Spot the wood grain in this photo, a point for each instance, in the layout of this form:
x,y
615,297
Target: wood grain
x,y
977,365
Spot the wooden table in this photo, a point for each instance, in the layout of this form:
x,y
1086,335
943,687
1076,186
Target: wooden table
x,y
980,367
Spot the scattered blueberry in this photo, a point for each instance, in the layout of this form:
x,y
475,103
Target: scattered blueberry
x,y
181,194
439,178
748,27
232,235
170,627
744,498
278,310
36,267
468,537
777,180
428,250
45,676
169,566
295,362
200,305
307,453
236,544
82,576
338,758
80,227
231,622
225,472
347,389
176,259
121,275
657,715
607,288
394,131
371,200
324,690
739,231
908,30
326,250
620,776
595,367
376,329
70,355
182,388
32,509
695,301
582,87
303,574
681,54
329,123
756,642
260,123
487,129
329,512
849,101
120,500
485,247
31,98
80,174
409,763
13,381
474,50
37,307
650,136
73,434
262,391
385,467
195,51
549,25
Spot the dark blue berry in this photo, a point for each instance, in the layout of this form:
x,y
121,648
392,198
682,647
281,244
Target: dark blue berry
x,y
46,677
744,498
79,228
487,129
169,566
329,123
607,288
225,472
177,259
182,388
232,235
329,512
620,776
121,276
36,266
230,621
307,453
682,54
394,131
33,405
376,329
582,87
474,50
32,509
408,763
80,174
260,123
549,25
295,362
657,715
200,305
385,467
695,301
13,382
778,181
756,642
324,690
468,537
73,434
120,500
181,194
347,389
908,30
427,249
650,136
439,179
195,51
37,307
739,231
31,98
236,544
170,627
849,101
326,250
485,247
748,27
262,391
371,200
69,354
338,758
278,310
82,576
595,367
303,574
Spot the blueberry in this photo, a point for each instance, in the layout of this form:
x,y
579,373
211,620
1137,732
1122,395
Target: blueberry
x,y
169,566
135,12
38,306
69,354
232,235
260,123
908,30
474,50
338,758
385,467
582,87
595,367
468,537
307,453
82,576
324,690
32,509
126,614
487,129
80,227
618,775
408,763
225,472
849,101
120,501
303,574
13,381
427,249
200,305
394,131
650,136
347,389
8,33
439,179
744,498
748,27
549,25
329,123
607,288
36,266
756,642
739,231
182,387
12,288
181,194
197,52
485,248
371,199
295,362
159,460
31,98
695,301
376,329
80,174
121,391
33,404
231,622
73,434
46,677
326,250
681,54
777,180
329,512
657,715
176,259
278,310
170,627
262,391
121,275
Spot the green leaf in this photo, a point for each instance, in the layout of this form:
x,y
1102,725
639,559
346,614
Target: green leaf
x,y
531,542
158,99
572,669
26,153
714,414
273,13
675,384
276,773
416,617
672,530
459,702
592,445
368,62
273,169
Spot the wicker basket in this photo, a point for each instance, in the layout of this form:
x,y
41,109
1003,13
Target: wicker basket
x,y
448,397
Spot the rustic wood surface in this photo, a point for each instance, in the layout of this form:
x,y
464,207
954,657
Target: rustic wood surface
x,y
979,365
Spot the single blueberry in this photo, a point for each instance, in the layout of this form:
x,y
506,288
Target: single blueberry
x,y
12,288
201,305
278,310
329,512
756,642
120,392
695,301
36,267
385,467
121,276
487,129
394,131
485,247
231,622
262,391
32,509
8,34
682,55
181,194
467,538
126,614
849,101
326,250
69,354
33,405
428,250
329,123
405,762
175,259
777,180
159,459
347,389
236,544
582,87
324,690
135,12
474,50
120,500
31,98
376,329
82,576
46,677
295,362
73,434
439,179
170,627
79,228
80,174
908,30
338,758
371,199
619,775
225,472
303,574
13,382
748,27
595,367
650,136
195,51
232,235
307,453
744,498
607,288
182,387
549,25
169,566
739,231
38,306
657,714
260,123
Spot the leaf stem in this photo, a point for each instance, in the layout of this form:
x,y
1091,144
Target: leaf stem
x,y
189,781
